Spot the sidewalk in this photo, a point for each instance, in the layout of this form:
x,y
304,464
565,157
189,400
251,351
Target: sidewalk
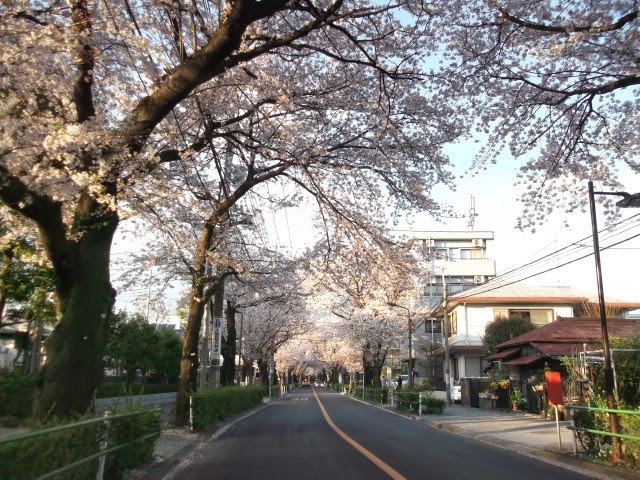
x,y
526,434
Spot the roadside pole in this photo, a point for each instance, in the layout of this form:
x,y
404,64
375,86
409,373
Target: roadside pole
x,y
445,329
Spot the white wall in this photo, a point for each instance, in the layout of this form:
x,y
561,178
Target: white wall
x,y
473,319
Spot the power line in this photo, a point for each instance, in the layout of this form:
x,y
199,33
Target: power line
x,y
504,280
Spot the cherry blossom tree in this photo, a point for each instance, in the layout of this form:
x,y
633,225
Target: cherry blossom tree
x,y
555,83
97,97
297,358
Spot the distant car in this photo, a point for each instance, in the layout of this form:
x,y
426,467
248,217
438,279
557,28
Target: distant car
x,y
318,383
306,383
456,391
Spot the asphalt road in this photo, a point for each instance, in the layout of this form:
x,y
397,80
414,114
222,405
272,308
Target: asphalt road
x,y
319,434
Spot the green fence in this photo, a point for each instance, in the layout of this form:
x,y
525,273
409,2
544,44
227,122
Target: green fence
x,y
588,423
375,395
86,449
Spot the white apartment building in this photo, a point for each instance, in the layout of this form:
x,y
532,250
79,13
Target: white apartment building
x,y
460,260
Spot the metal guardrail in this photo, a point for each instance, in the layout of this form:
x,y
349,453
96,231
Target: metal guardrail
x,y
104,443
575,428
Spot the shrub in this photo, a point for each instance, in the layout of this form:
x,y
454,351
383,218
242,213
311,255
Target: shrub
x,y
33,457
210,405
409,401
631,426
126,431
433,406
16,394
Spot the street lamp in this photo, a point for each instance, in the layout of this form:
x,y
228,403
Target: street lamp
x,y
628,200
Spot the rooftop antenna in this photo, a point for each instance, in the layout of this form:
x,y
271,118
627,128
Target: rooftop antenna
x,y
472,213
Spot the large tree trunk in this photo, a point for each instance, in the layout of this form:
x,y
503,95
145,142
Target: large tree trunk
x,y
263,368
202,289
75,350
228,371
189,361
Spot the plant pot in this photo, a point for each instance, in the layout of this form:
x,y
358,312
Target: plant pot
x,y
514,405
485,403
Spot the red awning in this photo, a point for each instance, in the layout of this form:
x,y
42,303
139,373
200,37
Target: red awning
x,y
504,354
525,360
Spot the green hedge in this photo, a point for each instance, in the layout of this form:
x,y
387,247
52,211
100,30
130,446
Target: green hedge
x,y
433,406
409,401
33,457
210,405
16,394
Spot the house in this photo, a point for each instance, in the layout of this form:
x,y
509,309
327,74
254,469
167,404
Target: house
x,y
469,312
566,336
527,356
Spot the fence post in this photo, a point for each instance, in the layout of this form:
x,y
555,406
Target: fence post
x,y
104,443
574,433
191,413
420,403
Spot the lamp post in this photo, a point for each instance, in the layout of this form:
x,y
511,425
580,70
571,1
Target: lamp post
x,y
629,200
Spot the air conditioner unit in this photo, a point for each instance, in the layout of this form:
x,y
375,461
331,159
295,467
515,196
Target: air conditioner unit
x,y
478,279
477,242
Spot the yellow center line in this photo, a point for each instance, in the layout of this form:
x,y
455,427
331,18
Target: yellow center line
x,y
376,461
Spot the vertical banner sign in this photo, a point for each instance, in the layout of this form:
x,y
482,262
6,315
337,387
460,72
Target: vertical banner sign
x,y
217,341
554,388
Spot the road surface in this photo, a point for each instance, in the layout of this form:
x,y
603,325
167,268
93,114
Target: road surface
x,y
314,433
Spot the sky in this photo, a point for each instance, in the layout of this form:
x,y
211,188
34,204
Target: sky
x,y
497,210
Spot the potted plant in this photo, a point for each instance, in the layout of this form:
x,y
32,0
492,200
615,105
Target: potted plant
x,y
515,395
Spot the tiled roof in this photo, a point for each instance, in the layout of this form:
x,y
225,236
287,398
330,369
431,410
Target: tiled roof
x,y
511,352
571,331
528,360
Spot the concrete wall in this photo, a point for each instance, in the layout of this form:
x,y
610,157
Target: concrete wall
x,y
164,400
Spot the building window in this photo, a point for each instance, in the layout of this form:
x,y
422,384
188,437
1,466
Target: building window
x,y
537,316
441,254
453,323
433,325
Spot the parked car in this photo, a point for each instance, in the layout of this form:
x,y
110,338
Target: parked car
x,y
456,391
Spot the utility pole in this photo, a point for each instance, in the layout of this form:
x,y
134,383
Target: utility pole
x,y
240,361
411,379
445,329
206,340
206,344
218,309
